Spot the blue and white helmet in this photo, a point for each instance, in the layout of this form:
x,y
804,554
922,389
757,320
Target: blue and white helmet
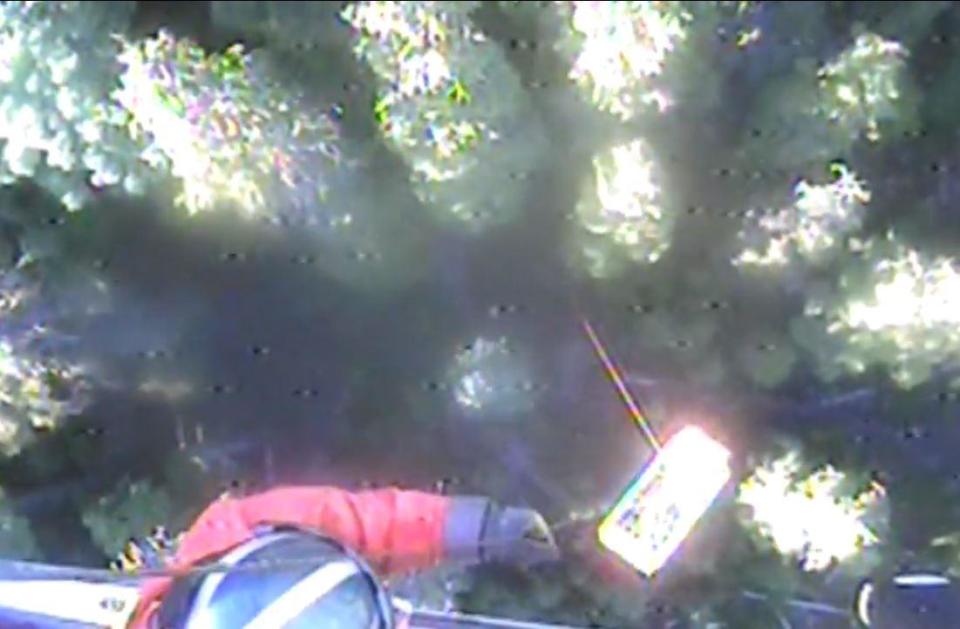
x,y
909,601
291,579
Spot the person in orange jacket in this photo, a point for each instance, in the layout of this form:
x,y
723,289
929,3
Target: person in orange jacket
x,y
310,556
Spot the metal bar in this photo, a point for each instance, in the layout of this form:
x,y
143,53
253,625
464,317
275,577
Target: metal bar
x,y
429,619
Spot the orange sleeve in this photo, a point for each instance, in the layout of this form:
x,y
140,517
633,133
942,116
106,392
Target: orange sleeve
x,y
395,530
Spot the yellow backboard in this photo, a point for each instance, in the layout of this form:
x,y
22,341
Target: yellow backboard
x,y
659,509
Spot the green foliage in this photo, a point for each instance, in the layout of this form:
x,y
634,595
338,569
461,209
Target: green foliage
x,y
16,539
131,510
730,148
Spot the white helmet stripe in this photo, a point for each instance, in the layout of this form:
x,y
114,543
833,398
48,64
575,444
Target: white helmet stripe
x,y
303,594
201,606
921,579
863,603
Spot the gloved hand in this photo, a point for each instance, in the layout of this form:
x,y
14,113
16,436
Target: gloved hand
x,y
479,530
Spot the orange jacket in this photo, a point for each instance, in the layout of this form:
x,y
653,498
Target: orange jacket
x,y
393,529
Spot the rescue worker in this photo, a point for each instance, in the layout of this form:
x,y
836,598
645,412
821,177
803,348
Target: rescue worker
x,y
311,556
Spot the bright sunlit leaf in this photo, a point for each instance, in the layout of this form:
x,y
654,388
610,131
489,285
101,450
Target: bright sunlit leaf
x,y
620,48
810,227
809,518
